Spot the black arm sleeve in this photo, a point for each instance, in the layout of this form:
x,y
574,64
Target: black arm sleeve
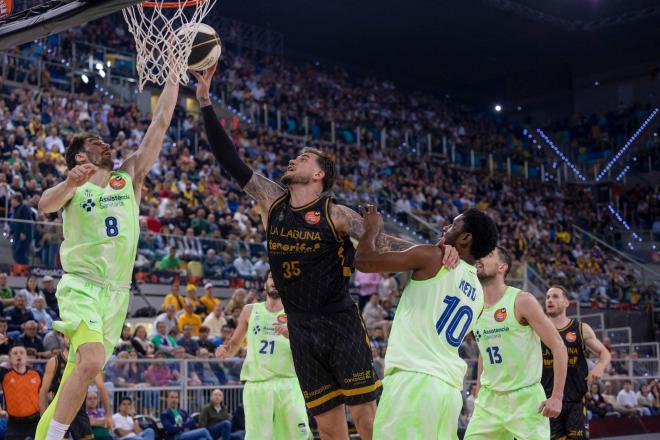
x,y
223,148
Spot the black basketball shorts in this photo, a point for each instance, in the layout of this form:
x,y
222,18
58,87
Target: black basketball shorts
x,y
572,423
332,357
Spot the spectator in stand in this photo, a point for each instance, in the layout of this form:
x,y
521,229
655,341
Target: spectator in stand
x,y
124,343
628,399
21,231
262,267
189,317
388,288
174,298
5,341
187,341
226,334
100,426
159,374
367,283
54,342
48,290
237,300
645,399
215,321
244,266
209,301
20,386
215,417
212,264
163,342
141,342
6,292
232,321
170,262
191,295
31,290
379,362
168,318
178,424
18,315
596,402
374,315
43,318
125,426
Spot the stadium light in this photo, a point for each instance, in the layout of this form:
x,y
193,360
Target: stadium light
x,y
84,78
498,108
596,83
625,225
99,66
102,73
560,154
109,64
618,155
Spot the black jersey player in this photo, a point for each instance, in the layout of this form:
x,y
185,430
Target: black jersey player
x,y
311,259
579,337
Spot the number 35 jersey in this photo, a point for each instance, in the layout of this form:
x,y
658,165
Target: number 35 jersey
x,y
431,321
510,351
310,262
101,230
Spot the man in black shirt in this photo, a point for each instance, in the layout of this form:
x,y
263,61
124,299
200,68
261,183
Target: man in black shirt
x,y
30,339
578,337
18,314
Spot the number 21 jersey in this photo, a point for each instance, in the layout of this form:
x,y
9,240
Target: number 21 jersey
x,y
431,321
101,230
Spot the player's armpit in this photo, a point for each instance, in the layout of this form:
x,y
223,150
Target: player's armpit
x,y
264,191
349,222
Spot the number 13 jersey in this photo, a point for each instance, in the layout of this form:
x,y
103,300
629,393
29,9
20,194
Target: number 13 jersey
x,y
431,321
101,230
311,264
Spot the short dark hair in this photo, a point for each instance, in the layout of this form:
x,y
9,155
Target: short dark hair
x,y
204,329
627,381
76,146
562,289
483,230
505,257
326,164
125,398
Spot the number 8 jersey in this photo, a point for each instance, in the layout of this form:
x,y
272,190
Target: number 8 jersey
x,y
101,230
431,321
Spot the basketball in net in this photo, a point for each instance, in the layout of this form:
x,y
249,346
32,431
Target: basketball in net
x,y
165,32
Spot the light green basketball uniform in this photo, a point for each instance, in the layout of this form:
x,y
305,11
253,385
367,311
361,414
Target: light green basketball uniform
x,y
272,399
423,370
511,391
101,231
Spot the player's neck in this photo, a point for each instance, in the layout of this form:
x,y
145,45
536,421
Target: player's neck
x,y
560,321
494,290
273,305
101,177
303,194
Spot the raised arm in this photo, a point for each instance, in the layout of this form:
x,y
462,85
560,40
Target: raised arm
x,y
232,347
261,189
424,260
138,164
596,347
528,309
349,222
54,199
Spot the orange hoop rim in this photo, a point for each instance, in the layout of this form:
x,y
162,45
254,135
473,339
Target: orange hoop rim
x,y
172,5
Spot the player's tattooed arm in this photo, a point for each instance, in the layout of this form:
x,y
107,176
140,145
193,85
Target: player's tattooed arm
x,y
349,222
265,192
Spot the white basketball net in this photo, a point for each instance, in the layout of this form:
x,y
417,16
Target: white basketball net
x,y
160,51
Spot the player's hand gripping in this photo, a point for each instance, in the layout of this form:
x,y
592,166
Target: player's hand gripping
x,y
551,407
281,329
204,82
80,174
373,221
450,254
595,374
222,351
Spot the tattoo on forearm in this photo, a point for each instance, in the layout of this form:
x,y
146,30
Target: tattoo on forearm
x,y
384,242
263,190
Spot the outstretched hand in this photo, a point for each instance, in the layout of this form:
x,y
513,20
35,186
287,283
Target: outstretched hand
x,y
204,81
373,221
80,174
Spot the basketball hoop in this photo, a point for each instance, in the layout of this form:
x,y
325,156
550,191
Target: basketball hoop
x,y
161,49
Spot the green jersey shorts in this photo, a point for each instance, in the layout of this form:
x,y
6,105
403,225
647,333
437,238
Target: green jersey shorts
x,y
275,409
102,307
509,415
417,406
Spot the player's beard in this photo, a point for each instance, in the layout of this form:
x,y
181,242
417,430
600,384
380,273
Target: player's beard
x,y
102,162
486,277
273,294
554,312
290,179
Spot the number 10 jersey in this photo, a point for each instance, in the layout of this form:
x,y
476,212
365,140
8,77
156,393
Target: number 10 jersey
x,y
431,321
101,230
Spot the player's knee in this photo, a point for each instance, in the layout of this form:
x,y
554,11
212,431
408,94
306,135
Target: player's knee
x,y
90,360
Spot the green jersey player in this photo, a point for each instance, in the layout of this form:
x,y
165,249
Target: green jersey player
x,y
100,222
274,405
511,402
423,370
